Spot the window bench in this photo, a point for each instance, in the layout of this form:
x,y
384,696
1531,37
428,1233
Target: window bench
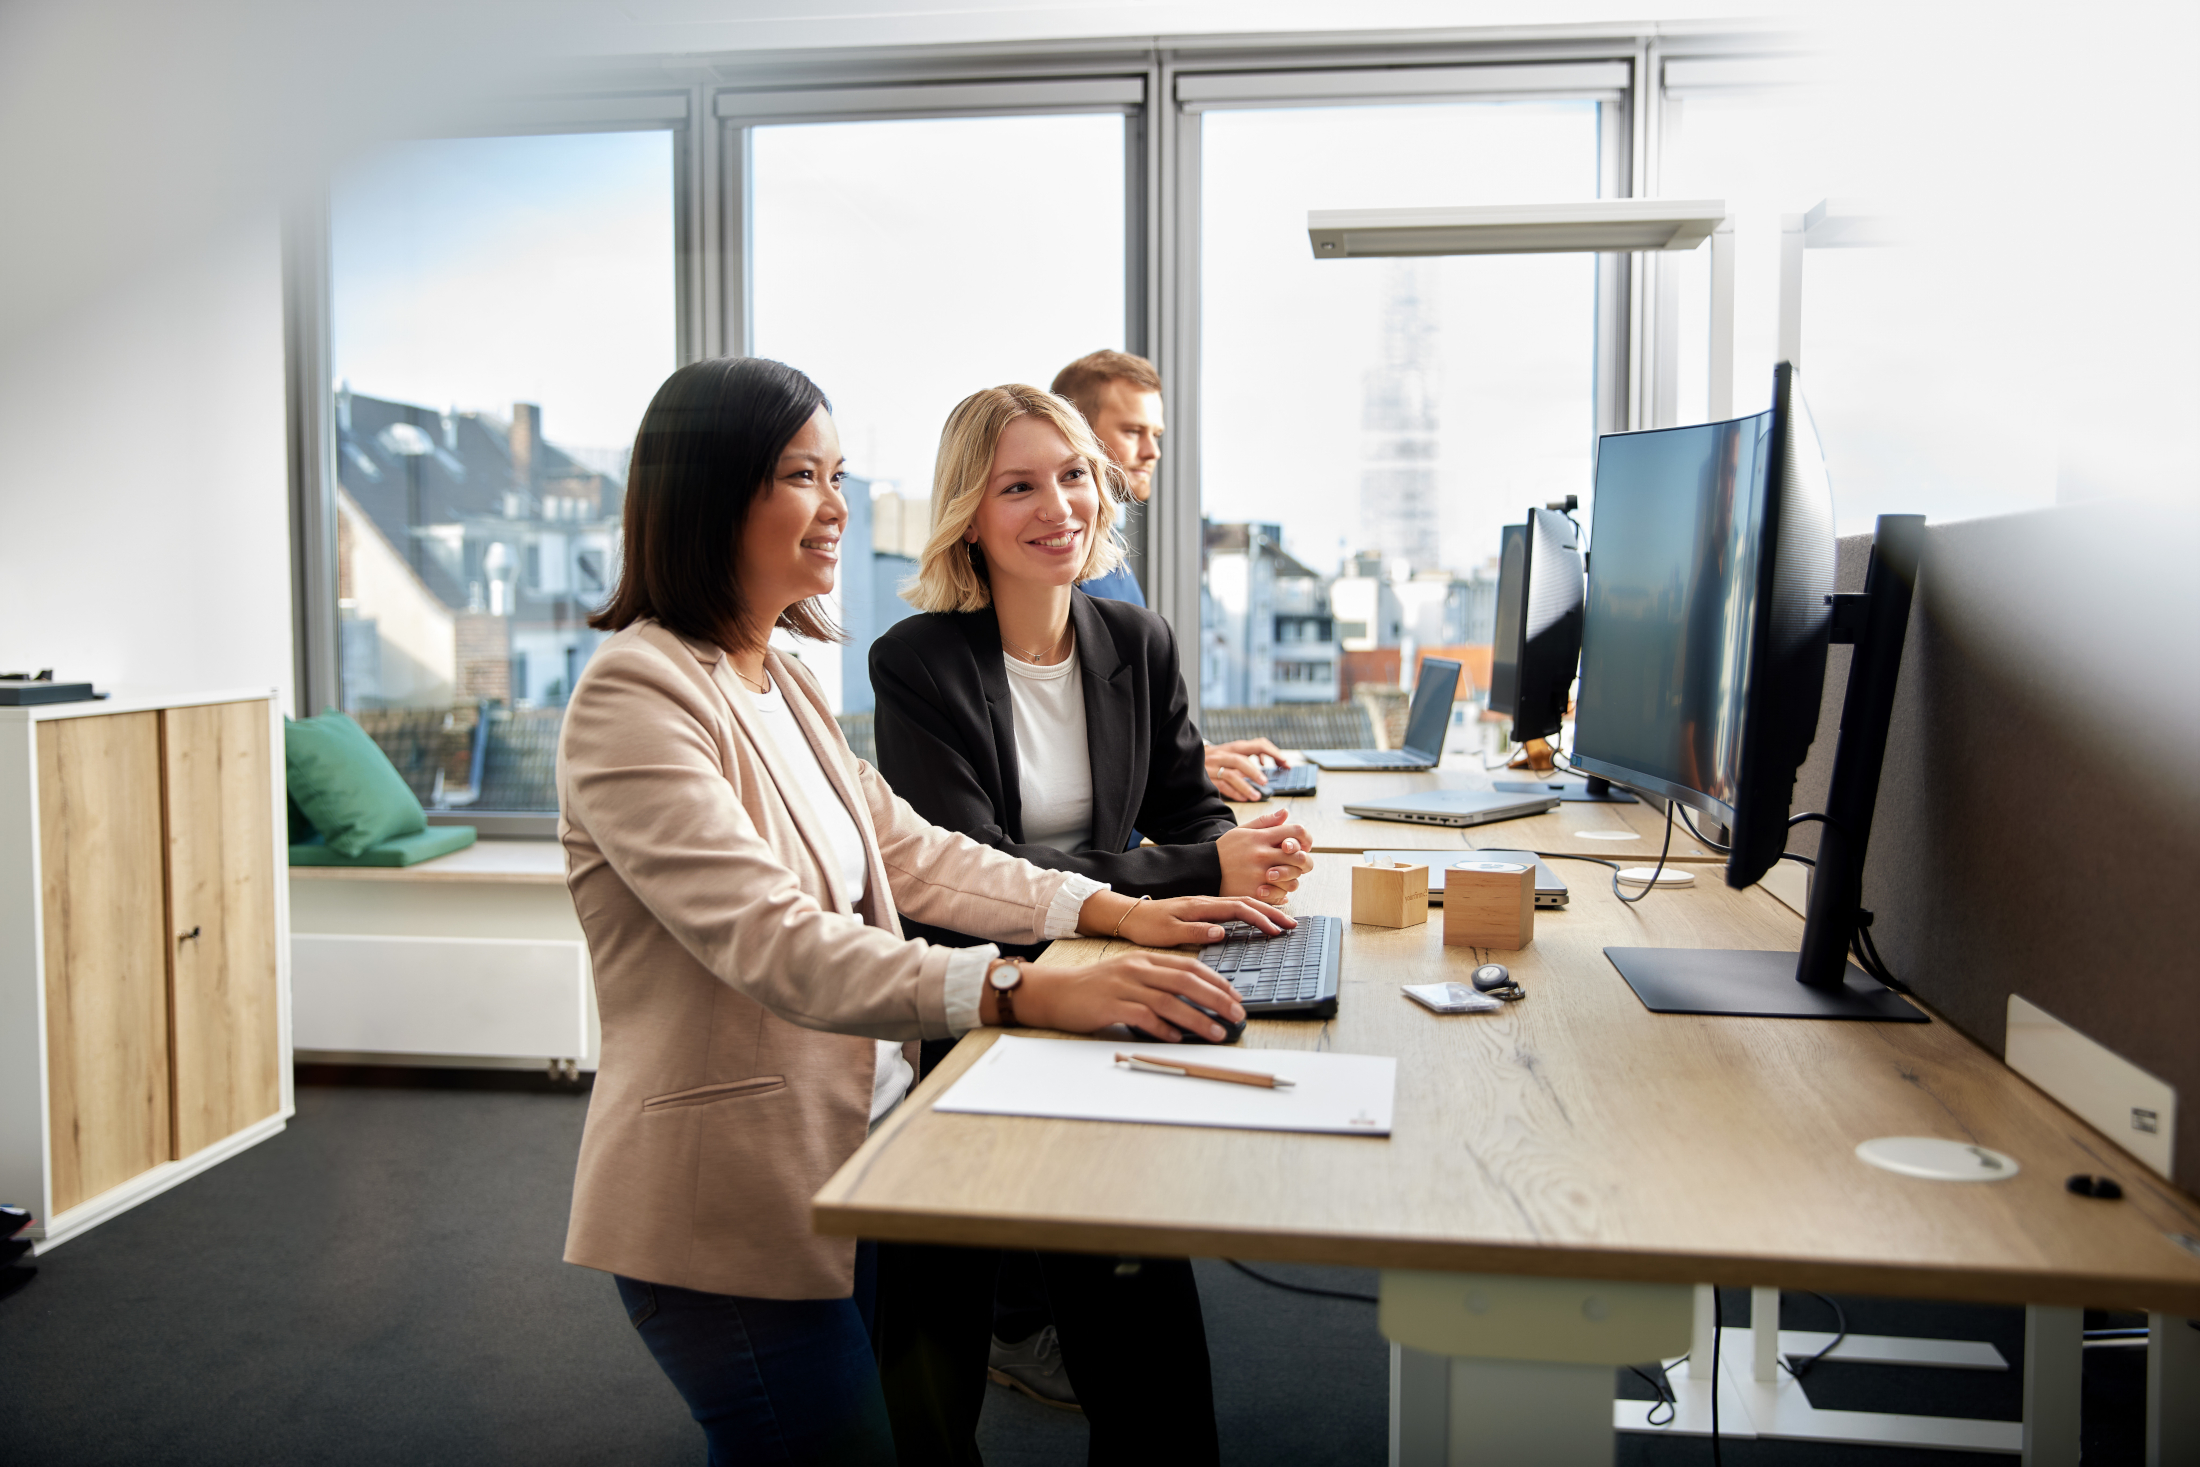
x,y
473,960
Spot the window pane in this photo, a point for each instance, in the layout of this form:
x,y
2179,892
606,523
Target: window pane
x,y
503,309
1880,384
906,265
1368,425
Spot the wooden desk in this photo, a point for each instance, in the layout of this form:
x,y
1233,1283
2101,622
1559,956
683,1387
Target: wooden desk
x,y
1615,832
1574,1136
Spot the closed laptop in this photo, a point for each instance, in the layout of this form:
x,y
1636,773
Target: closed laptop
x,y
1550,888
1455,807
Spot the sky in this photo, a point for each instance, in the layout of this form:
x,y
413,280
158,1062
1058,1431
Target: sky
x,y
480,272
1287,340
906,265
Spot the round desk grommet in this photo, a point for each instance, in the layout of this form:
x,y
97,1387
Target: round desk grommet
x,y
1937,1159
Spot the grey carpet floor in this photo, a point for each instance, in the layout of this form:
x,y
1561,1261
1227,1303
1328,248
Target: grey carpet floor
x,y
381,1284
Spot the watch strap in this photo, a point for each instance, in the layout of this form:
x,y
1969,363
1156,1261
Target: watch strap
x,y
1004,999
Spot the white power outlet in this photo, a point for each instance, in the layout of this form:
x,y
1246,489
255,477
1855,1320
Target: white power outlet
x,y
2105,1090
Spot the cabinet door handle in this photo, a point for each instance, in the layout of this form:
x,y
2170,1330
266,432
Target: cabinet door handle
x,y
187,936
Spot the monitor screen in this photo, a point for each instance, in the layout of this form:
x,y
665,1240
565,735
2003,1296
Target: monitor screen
x,y
1550,627
1434,687
1672,608
1512,584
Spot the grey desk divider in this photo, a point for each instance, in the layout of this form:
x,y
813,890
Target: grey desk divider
x,y
2038,823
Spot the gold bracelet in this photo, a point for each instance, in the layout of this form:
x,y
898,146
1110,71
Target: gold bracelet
x,y
1118,932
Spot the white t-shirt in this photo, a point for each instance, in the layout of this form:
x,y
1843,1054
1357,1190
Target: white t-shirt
x,y
1054,761
891,1077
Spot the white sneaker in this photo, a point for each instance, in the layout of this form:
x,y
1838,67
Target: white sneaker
x,y
1035,1368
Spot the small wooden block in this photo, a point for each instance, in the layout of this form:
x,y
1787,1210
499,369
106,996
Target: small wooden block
x,y
1389,895
1489,904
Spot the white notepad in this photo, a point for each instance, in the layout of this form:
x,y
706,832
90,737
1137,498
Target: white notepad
x,y
1079,1080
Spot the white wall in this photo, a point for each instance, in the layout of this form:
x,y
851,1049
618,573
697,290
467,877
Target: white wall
x,y
144,523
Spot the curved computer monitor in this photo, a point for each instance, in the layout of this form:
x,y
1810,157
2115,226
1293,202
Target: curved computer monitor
x,y
1704,633
1538,635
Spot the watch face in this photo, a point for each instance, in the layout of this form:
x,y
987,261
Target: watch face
x,y
1006,975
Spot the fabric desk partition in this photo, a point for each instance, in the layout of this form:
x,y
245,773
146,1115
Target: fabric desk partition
x,y
2038,826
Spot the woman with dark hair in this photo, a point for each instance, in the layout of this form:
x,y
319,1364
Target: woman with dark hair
x,y
740,877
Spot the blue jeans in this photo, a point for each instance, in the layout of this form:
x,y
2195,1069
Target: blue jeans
x,y
789,1381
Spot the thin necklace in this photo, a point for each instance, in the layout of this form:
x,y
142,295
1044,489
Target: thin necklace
x,y
757,688
1038,659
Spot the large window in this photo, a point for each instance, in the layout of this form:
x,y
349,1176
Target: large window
x,y
502,309
1348,436
906,264
1876,320
1368,425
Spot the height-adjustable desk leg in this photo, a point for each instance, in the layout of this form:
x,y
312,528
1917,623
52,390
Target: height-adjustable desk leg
x,y
2173,1390
1764,1336
2054,1383
1517,1372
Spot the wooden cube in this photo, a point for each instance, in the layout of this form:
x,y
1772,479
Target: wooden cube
x,y
1387,895
1489,904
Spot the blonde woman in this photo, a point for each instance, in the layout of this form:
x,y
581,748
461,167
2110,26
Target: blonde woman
x,y
1053,726
740,875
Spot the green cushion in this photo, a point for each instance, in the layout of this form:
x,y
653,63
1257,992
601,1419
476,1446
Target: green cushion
x,y
346,785
404,850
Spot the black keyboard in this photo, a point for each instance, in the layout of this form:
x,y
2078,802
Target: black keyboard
x,y
1292,975
1299,779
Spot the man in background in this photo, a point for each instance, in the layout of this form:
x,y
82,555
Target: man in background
x,y
1120,395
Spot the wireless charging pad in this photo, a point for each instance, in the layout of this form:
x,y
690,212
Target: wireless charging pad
x,y
1643,876
1937,1160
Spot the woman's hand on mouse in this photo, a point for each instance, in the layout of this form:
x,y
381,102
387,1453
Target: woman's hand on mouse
x,y
1265,858
1146,990
1175,921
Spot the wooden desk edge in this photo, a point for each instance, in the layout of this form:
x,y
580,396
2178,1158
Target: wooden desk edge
x,y
833,1213
1161,1240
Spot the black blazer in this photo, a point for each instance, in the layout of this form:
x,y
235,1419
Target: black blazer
x,y
947,744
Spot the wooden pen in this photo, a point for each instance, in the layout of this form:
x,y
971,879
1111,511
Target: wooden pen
x,y
1202,1072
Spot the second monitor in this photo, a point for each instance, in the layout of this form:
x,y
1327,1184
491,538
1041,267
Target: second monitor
x,y
1537,643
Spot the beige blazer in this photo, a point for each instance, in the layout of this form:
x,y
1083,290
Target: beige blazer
x,y
740,992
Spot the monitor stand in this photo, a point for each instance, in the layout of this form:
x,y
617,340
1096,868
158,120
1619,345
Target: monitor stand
x,y
1819,981
1755,985
1597,790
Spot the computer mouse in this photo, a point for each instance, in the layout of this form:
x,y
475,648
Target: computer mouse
x,y
1231,1033
1493,978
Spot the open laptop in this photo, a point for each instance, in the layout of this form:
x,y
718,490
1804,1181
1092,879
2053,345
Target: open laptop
x,y
1426,723
1550,889
1454,807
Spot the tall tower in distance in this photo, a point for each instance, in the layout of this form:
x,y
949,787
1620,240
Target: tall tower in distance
x,y
1399,513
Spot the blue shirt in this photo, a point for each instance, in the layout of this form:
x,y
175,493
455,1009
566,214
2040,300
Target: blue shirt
x,y
1117,585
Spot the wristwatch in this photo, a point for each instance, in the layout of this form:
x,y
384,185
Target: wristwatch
x,y
1004,976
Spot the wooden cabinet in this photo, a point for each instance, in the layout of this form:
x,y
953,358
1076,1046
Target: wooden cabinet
x,y
143,1005
216,767
106,976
